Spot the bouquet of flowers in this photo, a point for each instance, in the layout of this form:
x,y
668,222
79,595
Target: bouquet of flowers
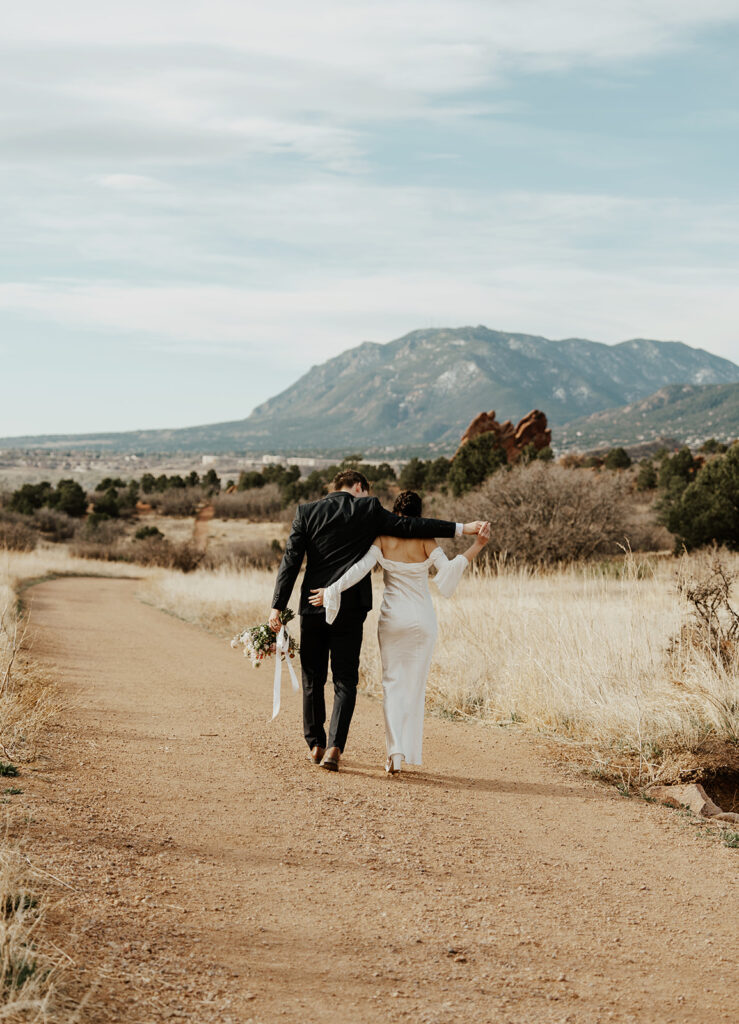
x,y
260,642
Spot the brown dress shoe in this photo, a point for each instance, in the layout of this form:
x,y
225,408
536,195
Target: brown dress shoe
x,y
316,755
331,760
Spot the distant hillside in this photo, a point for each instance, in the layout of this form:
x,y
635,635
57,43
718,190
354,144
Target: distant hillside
x,y
421,391
690,413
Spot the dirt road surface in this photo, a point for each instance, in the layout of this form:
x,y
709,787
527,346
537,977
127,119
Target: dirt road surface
x,y
217,876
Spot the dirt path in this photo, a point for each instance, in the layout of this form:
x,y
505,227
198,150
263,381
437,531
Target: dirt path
x,y
201,526
218,876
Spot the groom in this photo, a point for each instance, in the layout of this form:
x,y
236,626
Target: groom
x,y
334,533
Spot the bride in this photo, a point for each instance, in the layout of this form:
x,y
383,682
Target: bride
x,y
407,626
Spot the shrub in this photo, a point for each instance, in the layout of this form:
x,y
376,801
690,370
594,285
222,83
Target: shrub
x,y
263,503
179,501
475,462
16,535
57,526
617,458
256,554
147,531
714,623
544,514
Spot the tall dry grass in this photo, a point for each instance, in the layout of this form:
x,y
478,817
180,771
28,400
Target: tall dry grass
x,y
582,653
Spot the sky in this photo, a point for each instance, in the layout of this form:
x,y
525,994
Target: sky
x,y
201,201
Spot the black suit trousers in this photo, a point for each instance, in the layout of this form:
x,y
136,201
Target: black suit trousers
x,y
340,642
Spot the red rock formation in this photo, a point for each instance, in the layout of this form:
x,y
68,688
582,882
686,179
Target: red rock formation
x,y
532,429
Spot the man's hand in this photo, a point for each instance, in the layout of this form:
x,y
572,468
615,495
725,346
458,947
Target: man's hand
x,y
474,527
316,598
275,620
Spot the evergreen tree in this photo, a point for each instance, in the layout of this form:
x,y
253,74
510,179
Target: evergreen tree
x,y
707,510
475,462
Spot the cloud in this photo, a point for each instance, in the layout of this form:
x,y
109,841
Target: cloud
x,y
127,182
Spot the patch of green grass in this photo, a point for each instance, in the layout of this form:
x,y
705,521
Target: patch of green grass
x,y
12,791
6,768
730,839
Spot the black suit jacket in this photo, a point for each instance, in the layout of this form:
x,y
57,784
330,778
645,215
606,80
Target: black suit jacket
x,y
335,532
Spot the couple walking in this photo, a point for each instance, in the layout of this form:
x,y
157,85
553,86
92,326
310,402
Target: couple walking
x,y
343,536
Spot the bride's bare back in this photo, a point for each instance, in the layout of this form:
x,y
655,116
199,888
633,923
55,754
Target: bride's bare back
x,y
398,549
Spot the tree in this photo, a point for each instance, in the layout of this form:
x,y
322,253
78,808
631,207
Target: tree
x,y
70,497
707,510
212,481
30,497
475,462
413,475
713,447
437,472
107,504
248,481
676,472
148,483
617,458
646,478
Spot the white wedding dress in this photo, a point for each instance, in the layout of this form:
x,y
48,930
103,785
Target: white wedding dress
x,y
407,633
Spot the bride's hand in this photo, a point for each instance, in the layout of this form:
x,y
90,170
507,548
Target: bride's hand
x,y
484,535
316,598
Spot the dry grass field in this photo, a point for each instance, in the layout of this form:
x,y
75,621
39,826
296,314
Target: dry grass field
x,y
579,653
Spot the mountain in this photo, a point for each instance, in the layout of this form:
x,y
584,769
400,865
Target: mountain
x,y
421,391
688,412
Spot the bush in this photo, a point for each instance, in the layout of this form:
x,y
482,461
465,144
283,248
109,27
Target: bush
x,y
257,554
617,458
707,510
179,501
16,535
147,531
475,462
544,514
263,503
58,526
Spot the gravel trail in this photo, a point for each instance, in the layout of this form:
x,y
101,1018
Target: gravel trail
x,y
217,876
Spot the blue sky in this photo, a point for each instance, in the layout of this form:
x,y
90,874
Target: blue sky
x,y
199,203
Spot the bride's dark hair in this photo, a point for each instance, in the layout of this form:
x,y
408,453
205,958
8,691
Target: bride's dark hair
x,y
408,503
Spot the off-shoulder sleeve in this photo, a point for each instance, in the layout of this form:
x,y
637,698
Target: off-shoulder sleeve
x,y
448,573
332,594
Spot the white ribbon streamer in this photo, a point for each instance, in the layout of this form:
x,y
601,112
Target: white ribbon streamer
x,y
282,646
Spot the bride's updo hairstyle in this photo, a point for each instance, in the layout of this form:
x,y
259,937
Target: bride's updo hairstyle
x,y
408,503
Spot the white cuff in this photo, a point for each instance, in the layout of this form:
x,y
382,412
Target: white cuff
x,y
459,529
331,602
